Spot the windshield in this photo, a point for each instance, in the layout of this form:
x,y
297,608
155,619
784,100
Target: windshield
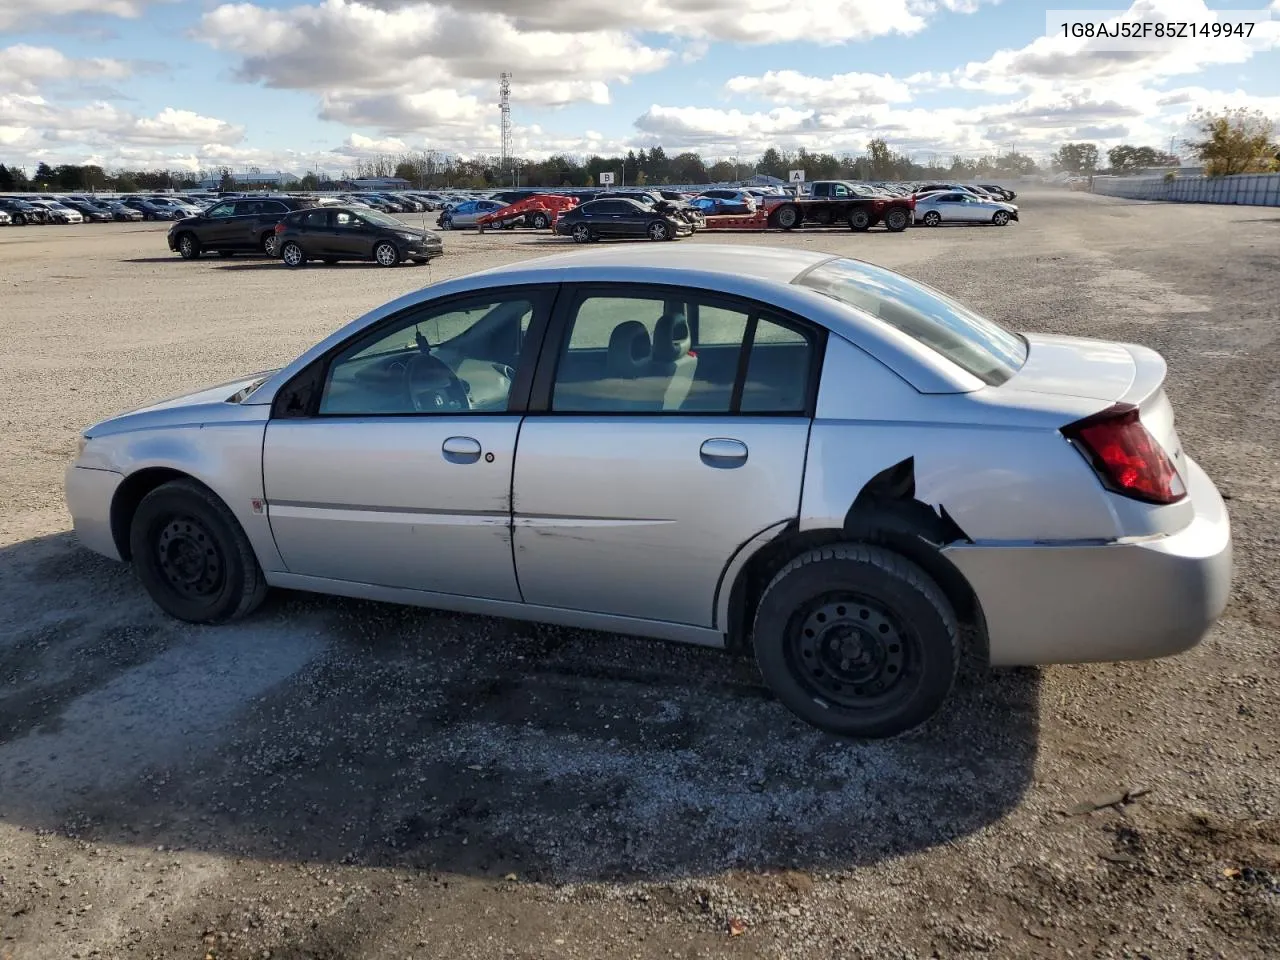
x,y
978,345
381,219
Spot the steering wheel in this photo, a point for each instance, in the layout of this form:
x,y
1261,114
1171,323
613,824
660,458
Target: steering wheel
x,y
432,387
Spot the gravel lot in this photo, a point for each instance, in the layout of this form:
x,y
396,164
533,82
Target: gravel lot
x,y
335,779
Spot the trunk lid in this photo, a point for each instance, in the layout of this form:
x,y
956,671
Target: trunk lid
x,y
1105,371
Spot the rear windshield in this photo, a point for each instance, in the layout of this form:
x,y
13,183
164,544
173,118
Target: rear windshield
x,y
978,345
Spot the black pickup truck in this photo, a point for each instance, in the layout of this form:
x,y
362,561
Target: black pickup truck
x,y
841,201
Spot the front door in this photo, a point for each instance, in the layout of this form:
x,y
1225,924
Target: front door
x,y
660,449
398,471
350,235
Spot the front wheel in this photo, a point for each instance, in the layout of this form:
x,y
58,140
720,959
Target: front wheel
x,y
192,556
386,254
188,246
857,640
659,231
291,255
896,220
1000,218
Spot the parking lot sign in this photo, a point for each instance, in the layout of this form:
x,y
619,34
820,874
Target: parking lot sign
x,y
606,179
796,176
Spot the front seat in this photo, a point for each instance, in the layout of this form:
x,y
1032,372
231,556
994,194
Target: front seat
x,y
672,361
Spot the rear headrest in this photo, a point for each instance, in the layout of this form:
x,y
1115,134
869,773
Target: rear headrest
x,y
629,349
671,338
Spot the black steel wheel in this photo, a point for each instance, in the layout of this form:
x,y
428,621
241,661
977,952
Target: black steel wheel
x,y
192,556
857,640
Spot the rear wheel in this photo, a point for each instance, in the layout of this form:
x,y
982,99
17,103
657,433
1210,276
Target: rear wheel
x,y
857,640
270,244
386,254
581,233
859,220
932,218
788,216
188,246
897,220
192,556
1000,218
291,255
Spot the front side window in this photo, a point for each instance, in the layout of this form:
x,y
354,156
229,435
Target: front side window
x,y
980,346
681,352
454,359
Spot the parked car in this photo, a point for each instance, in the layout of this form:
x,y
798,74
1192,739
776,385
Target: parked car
x,y
999,191
727,201
466,213
5,219
235,226
331,234
90,211
22,212
957,207
57,212
120,212
766,449
621,217
150,209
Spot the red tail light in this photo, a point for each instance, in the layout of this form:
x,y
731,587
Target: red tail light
x,y
1126,456
280,227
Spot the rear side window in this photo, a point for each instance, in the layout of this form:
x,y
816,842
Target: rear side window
x,y
978,345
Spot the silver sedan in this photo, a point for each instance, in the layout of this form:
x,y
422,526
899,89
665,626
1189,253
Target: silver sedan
x,y
782,452
957,206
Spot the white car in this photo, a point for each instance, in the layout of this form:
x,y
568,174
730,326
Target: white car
x,y
57,212
933,209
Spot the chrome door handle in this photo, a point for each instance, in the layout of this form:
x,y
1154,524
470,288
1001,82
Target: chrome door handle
x,y
461,449
723,452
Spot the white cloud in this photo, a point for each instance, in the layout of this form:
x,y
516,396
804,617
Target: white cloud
x,y
26,69
841,90
28,13
33,123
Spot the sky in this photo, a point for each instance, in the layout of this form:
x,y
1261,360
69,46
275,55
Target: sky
x,y
300,85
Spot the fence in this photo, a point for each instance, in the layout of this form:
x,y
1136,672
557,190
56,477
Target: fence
x,y
1256,189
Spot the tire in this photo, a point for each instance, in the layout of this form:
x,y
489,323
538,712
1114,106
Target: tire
x,y
192,556
658,231
292,255
19,219
1000,218
541,221
270,244
816,652
788,216
385,254
582,233
896,220
932,218
188,246
859,220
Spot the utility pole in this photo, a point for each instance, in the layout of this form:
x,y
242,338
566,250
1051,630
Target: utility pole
x,y
504,105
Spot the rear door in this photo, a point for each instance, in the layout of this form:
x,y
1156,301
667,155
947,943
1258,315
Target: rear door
x,y
315,231
639,474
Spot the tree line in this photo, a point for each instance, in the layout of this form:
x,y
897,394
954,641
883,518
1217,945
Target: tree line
x,y
1228,142
430,169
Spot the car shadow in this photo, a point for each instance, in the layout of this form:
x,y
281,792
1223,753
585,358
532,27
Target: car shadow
x,y
322,729
341,265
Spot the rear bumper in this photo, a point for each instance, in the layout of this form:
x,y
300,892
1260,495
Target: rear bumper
x,y
89,495
1128,600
